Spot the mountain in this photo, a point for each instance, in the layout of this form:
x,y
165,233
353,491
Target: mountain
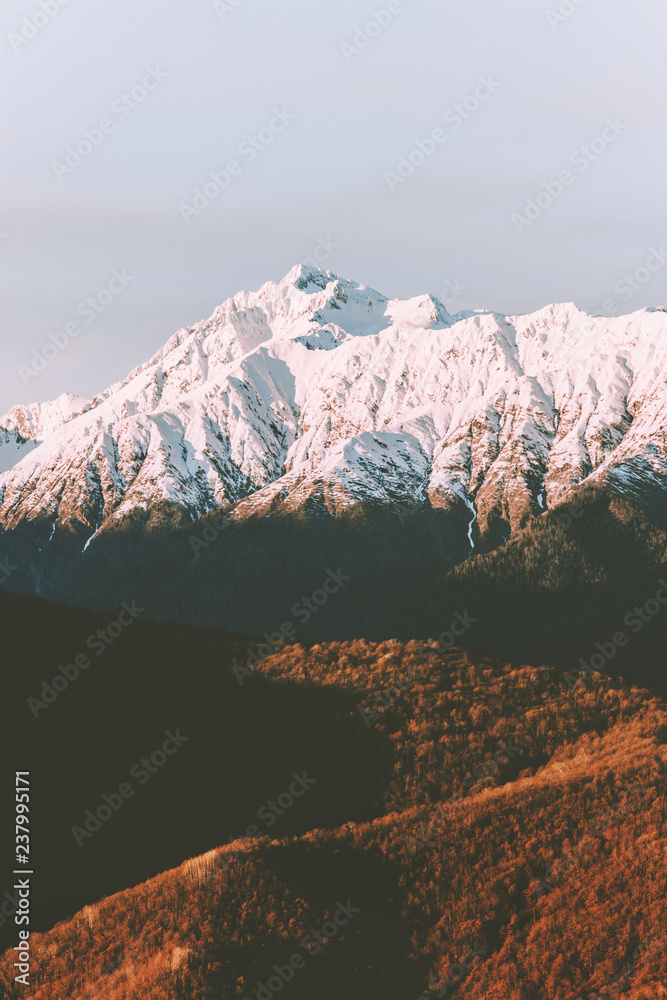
x,y
23,427
406,522
318,394
462,825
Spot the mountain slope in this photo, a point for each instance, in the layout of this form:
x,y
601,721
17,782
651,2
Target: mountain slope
x,y
317,394
80,731
515,851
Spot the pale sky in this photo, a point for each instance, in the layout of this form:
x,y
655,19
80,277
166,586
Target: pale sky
x,y
336,121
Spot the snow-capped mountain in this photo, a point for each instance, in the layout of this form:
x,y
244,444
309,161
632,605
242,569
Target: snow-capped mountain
x,y
320,392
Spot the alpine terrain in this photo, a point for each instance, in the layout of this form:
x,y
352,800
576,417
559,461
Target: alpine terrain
x,y
317,393
316,430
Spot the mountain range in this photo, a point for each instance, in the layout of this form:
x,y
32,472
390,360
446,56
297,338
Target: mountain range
x,y
317,394
397,525
510,467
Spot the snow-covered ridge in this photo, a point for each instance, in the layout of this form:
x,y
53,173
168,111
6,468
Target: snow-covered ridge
x,y
319,390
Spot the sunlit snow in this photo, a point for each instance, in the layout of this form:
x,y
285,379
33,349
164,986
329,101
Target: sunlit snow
x,y
317,386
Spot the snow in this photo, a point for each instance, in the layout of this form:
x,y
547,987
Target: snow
x,y
320,387
471,508
40,419
13,451
87,542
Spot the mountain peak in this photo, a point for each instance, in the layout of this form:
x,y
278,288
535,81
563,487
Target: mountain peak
x,y
304,277
319,391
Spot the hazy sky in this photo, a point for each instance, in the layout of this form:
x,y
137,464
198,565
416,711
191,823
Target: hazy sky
x,y
337,108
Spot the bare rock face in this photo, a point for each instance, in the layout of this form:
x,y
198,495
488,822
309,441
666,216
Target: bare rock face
x,y
317,394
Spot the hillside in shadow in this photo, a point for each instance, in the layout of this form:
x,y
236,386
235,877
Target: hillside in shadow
x,y
550,594
241,745
516,851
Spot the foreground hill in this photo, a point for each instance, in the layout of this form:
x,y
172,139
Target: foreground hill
x,y
84,736
514,847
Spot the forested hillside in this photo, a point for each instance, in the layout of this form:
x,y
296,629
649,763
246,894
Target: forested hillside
x,y
515,850
565,582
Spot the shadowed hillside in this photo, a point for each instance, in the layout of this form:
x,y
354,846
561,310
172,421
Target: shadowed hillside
x,y
514,851
548,595
241,746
